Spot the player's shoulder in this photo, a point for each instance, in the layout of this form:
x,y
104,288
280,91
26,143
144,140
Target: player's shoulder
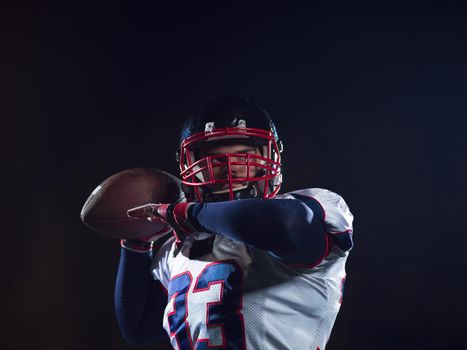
x,y
323,196
332,208
163,259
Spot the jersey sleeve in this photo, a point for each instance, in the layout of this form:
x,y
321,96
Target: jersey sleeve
x,y
333,212
162,262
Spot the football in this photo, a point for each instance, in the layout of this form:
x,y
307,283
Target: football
x,y
105,211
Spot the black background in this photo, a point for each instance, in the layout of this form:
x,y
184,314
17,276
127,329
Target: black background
x,y
369,99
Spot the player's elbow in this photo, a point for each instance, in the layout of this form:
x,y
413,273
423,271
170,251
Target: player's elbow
x,y
289,227
306,235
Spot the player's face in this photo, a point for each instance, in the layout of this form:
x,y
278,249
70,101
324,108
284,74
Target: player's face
x,y
238,170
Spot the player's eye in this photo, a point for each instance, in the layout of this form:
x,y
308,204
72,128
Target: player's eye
x,y
241,158
216,160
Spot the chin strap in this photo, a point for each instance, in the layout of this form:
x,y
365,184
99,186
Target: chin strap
x,y
227,190
248,191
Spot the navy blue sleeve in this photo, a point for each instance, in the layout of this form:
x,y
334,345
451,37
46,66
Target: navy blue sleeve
x,y
287,228
139,300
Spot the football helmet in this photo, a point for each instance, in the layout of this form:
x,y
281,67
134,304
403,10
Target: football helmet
x,y
230,121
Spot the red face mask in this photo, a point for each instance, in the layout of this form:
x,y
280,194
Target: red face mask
x,y
256,172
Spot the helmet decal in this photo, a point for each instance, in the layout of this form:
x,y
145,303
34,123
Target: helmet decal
x,y
209,127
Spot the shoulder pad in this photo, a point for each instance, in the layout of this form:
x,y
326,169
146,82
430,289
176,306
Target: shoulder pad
x,y
332,210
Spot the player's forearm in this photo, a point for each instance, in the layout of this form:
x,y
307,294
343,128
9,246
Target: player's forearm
x,y
139,300
286,227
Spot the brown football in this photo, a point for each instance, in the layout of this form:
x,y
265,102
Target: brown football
x,y
105,211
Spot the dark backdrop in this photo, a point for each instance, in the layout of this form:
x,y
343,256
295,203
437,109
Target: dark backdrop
x,y
370,100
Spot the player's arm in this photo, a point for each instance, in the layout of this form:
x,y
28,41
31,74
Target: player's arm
x,y
139,299
288,228
296,229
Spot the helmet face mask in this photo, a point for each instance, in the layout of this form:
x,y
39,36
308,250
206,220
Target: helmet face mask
x,y
233,161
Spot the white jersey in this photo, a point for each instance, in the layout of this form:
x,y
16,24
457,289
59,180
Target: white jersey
x,y
241,297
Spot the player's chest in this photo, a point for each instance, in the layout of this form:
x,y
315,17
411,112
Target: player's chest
x,y
205,302
210,278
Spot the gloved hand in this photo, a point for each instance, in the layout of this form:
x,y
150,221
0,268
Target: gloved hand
x,y
173,216
152,212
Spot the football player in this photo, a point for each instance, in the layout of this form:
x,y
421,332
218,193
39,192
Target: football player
x,y
244,267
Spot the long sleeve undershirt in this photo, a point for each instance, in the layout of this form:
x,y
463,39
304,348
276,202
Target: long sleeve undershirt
x,y
139,300
287,228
